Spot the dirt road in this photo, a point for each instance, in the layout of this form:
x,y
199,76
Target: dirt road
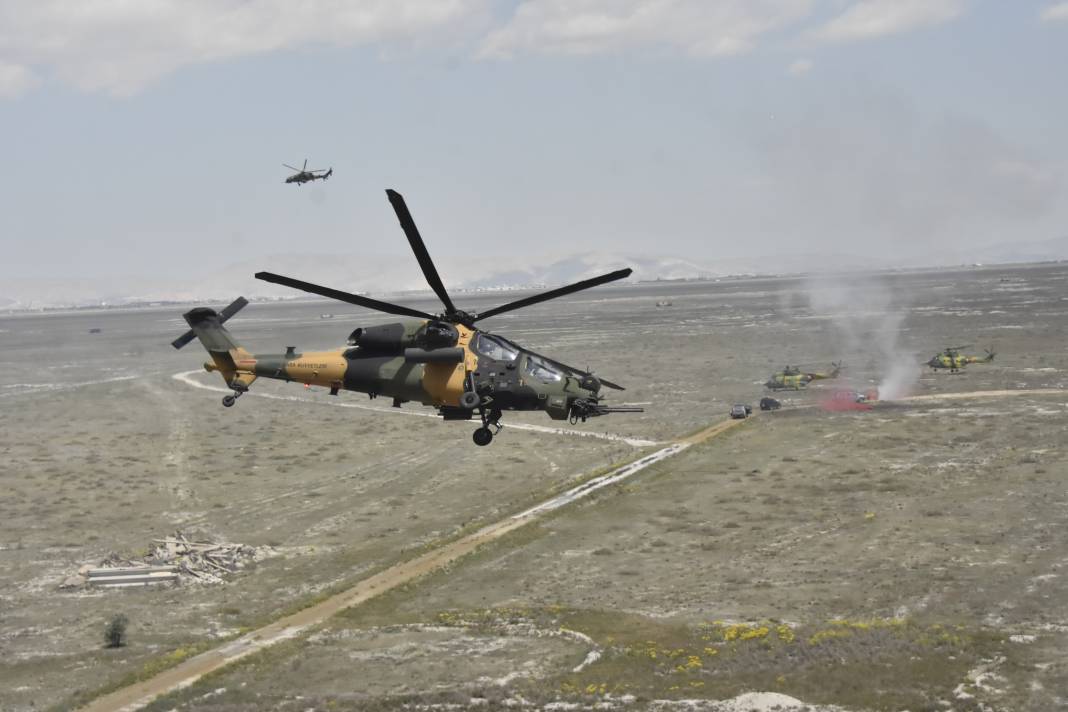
x,y
186,673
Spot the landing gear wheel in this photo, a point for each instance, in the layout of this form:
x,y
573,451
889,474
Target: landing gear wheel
x,y
482,437
229,401
469,400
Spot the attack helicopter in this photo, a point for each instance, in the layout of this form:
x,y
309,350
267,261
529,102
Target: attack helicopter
x,y
303,175
793,378
442,360
954,361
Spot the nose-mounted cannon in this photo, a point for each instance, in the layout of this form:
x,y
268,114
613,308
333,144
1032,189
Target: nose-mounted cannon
x,y
583,408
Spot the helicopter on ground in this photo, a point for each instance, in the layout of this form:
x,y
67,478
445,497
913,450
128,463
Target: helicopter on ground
x,y
793,378
954,361
442,360
303,175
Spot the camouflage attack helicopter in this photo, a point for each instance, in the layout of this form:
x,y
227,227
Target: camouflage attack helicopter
x,y
953,360
793,378
303,175
441,360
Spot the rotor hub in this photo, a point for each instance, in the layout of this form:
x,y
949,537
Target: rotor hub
x,y
459,316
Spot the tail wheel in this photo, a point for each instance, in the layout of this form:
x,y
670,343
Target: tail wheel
x,y
482,437
229,401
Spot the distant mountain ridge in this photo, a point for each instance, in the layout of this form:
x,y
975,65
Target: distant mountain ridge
x,y
584,266
381,275
384,275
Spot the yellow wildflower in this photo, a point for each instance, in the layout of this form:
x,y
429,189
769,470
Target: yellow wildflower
x,y
753,633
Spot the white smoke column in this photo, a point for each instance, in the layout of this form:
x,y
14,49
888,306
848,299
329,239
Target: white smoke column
x,y
867,317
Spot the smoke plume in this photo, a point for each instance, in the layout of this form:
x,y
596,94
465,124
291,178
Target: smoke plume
x,y
867,318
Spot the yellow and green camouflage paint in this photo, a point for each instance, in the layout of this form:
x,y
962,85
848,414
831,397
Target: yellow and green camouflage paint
x,y
795,379
954,361
390,360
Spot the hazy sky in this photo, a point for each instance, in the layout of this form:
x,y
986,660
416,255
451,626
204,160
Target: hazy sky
x,y
146,138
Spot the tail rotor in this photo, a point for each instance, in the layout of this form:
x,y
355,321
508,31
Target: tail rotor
x,y
235,306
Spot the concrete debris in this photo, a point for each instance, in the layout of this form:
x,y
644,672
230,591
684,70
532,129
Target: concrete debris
x,y
173,559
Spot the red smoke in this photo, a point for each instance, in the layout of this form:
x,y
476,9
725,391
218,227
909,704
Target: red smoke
x,y
842,400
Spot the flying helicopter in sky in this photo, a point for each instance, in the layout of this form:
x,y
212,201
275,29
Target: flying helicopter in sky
x,y
954,361
303,175
442,360
793,378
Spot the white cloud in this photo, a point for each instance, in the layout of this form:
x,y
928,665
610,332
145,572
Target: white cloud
x,y
14,79
876,18
1055,12
800,67
696,27
119,46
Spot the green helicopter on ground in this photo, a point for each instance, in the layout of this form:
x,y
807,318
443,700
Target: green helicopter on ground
x,y
951,359
793,378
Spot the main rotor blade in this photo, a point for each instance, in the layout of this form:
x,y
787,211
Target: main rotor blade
x,y
416,241
291,167
554,293
305,165
356,299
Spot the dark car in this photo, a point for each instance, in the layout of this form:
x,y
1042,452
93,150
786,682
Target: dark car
x,y
740,411
769,404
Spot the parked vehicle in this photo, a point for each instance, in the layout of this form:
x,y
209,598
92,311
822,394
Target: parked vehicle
x,y
769,404
740,411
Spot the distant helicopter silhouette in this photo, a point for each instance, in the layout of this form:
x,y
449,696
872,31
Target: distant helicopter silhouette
x,y
303,175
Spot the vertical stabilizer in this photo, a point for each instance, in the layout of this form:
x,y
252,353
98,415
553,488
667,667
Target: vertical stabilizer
x,y
227,356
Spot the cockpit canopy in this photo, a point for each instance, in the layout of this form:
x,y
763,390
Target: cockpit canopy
x,y
499,349
492,347
540,369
